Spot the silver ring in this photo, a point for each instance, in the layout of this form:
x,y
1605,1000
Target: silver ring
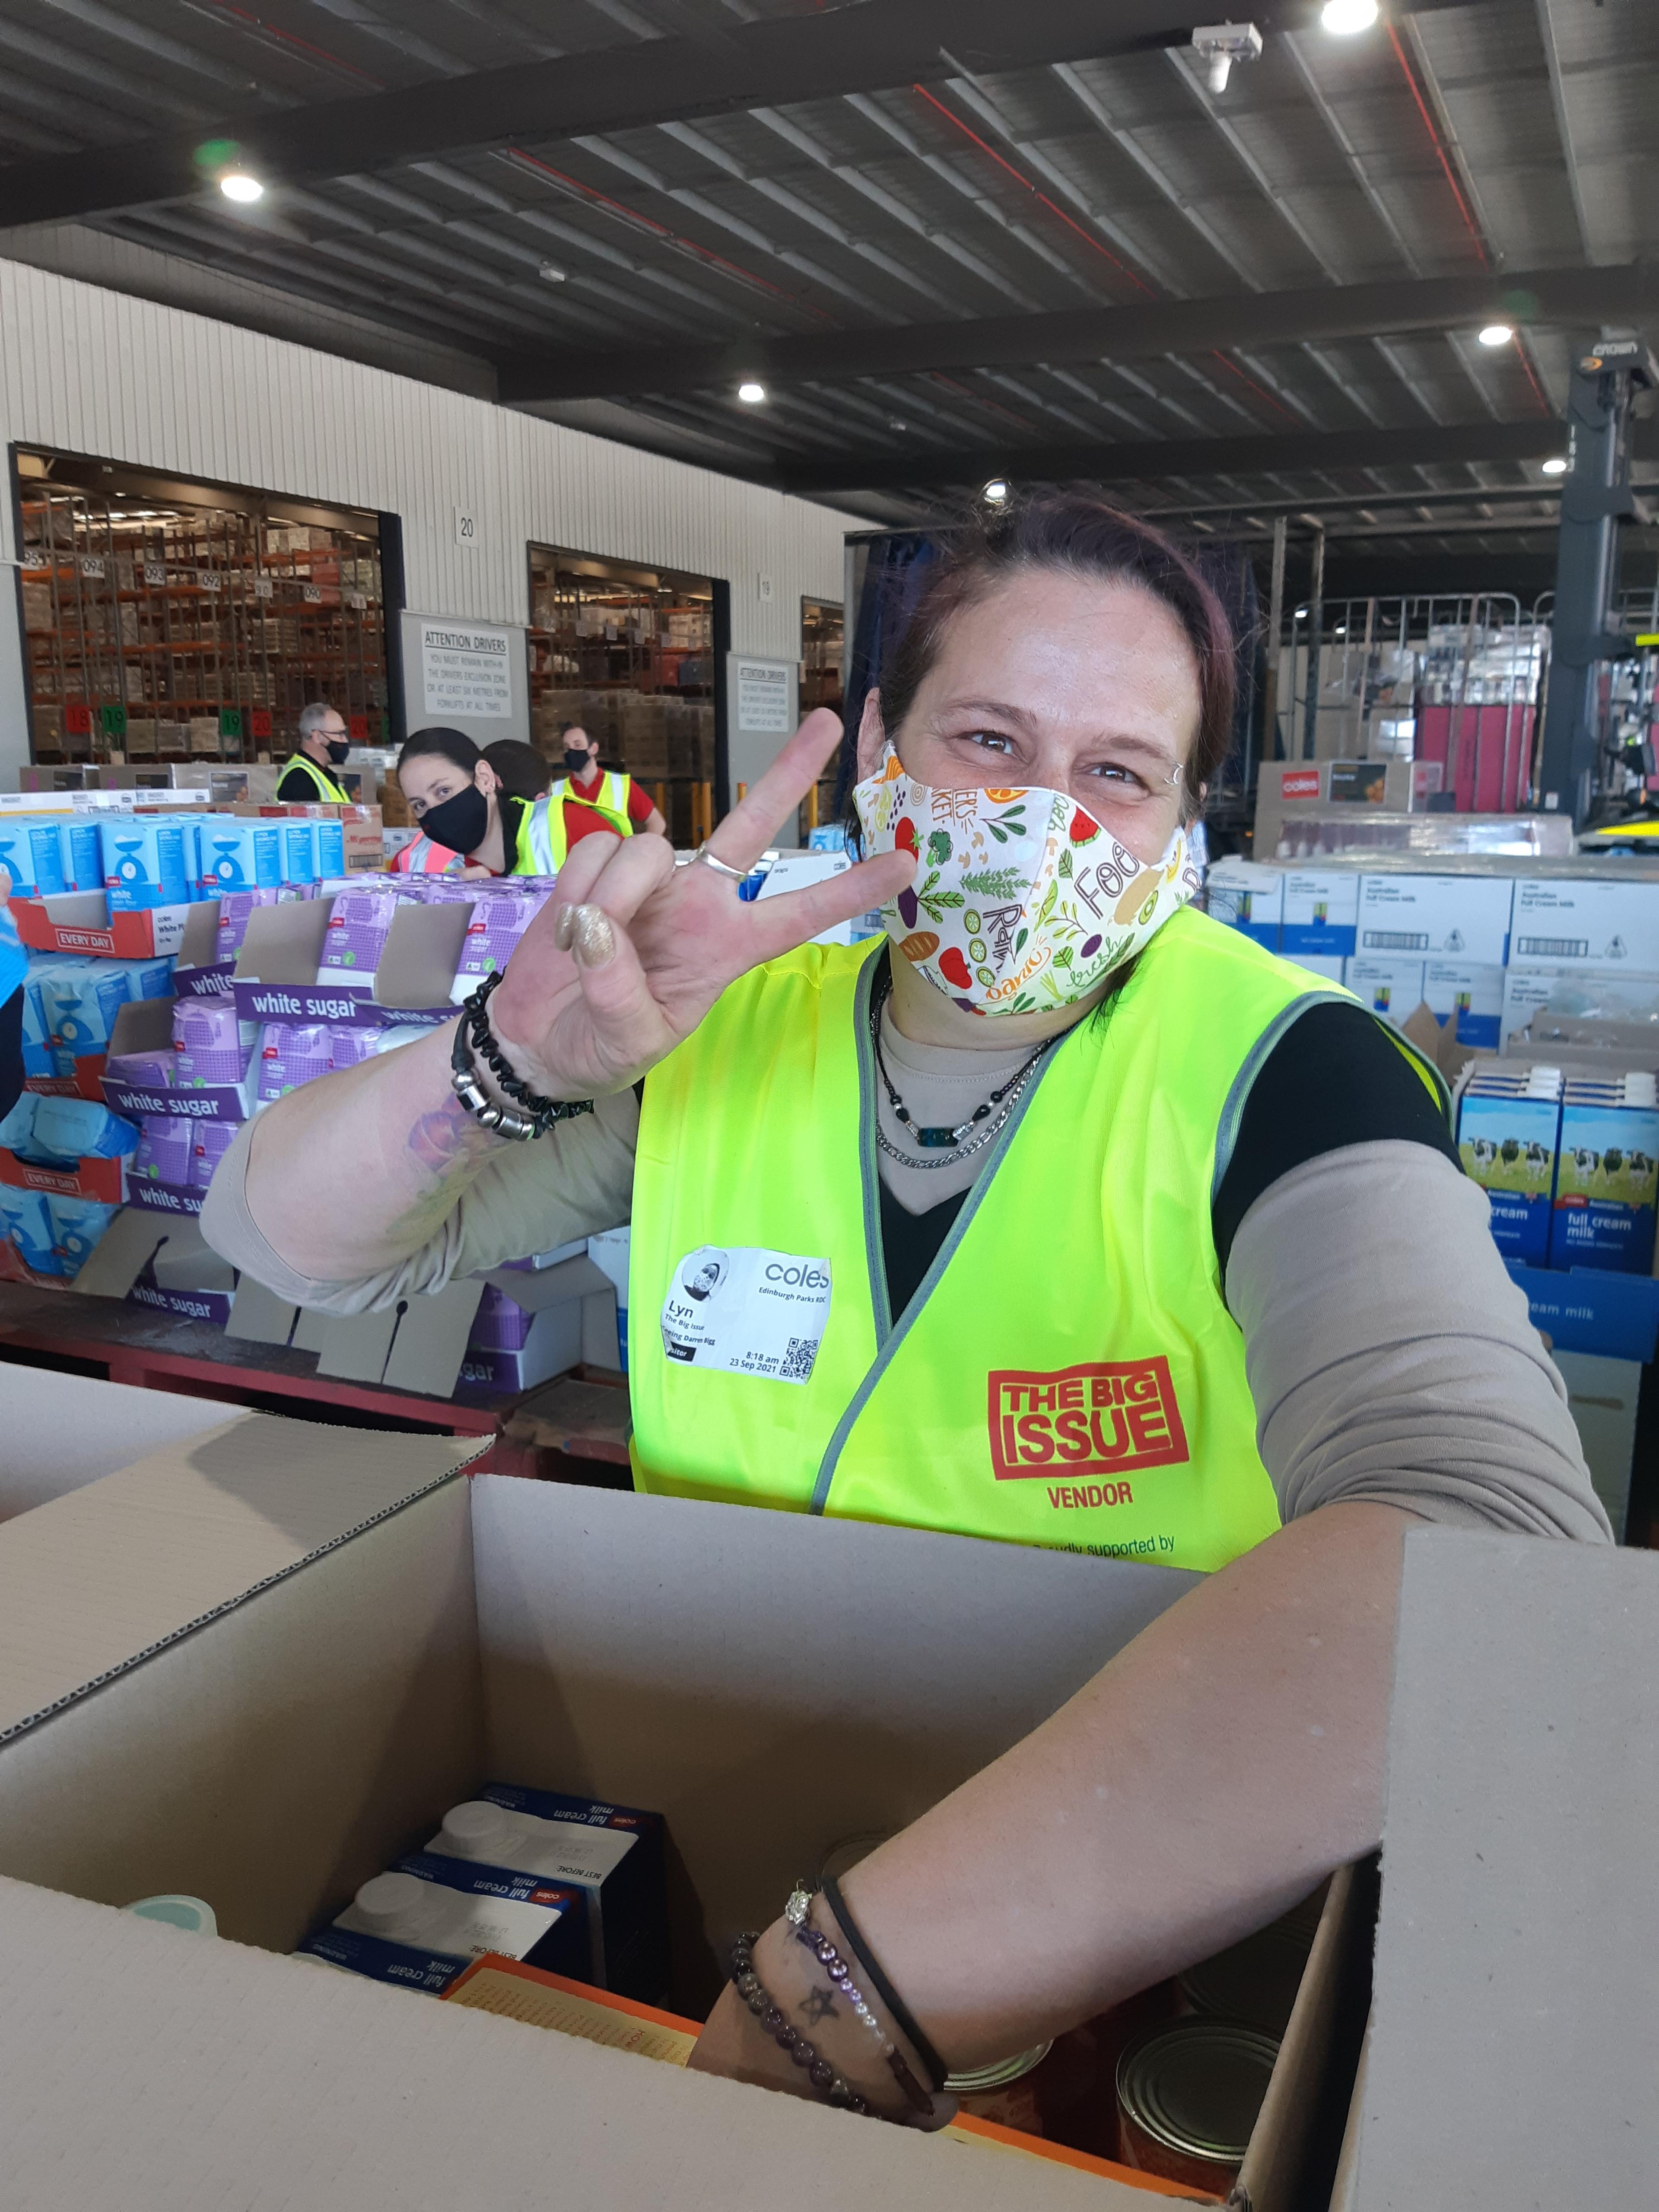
x,y
721,867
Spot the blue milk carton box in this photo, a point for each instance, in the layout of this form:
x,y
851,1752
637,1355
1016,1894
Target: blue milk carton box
x,y
427,1918
1321,907
25,1224
1247,895
80,852
1508,1131
1472,991
146,861
240,854
1605,1190
298,840
1388,986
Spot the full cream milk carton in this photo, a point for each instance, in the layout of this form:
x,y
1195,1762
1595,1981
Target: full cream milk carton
x,y
1508,1128
1605,1187
612,1854
427,1918
1389,987
1321,913
1247,895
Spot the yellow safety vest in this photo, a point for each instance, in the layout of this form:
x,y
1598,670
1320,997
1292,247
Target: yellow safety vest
x,y
1067,1374
541,844
611,800
332,793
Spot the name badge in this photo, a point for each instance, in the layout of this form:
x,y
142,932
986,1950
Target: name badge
x,y
747,1311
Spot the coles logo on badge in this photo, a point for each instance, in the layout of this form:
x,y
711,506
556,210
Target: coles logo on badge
x,y
1104,1417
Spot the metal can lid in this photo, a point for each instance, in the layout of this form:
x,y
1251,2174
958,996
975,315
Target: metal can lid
x,y
1255,1981
999,2074
1197,2087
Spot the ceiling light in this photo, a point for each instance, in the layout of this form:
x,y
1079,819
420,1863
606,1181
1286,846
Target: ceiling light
x,y
996,491
1496,334
237,185
751,393
1556,465
1301,614
550,273
1219,46
1341,629
1342,18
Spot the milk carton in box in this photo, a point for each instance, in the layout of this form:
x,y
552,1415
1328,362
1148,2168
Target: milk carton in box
x,y
1508,1130
240,854
1322,909
1247,895
1464,917
1391,987
612,1854
1474,994
1593,921
148,861
425,1921
1606,1185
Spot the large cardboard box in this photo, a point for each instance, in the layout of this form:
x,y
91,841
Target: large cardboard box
x,y
257,1664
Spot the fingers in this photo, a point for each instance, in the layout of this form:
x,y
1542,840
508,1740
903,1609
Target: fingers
x,y
793,917
634,868
750,827
584,864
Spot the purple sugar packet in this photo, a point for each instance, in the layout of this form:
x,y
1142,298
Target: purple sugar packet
x,y
144,1071
357,931
167,1144
290,1054
348,1043
500,1324
496,925
210,1047
234,907
213,1141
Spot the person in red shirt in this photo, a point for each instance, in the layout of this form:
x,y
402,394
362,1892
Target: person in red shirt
x,y
596,799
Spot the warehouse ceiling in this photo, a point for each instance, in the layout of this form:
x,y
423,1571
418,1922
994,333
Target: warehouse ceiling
x,y
953,240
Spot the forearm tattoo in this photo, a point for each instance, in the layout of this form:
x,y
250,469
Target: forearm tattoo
x,y
447,1147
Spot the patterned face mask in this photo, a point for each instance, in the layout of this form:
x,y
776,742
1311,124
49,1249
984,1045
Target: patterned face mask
x,y
1021,902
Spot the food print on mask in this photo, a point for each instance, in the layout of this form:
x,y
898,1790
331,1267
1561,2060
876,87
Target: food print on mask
x,y
1022,902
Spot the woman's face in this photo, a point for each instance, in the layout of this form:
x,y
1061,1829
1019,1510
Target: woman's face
x,y
429,779
1061,680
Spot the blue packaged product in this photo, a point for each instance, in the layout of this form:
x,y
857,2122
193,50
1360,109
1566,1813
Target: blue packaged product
x,y
1507,1131
25,1224
77,1225
47,851
239,853
17,1129
426,1920
36,1042
299,844
81,1129
81,850
17,853
1606,1187
146,862
149,978
80,1003
330,847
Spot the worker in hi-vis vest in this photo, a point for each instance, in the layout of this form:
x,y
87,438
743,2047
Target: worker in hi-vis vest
x,y
470,824
600,799
307,774
1056,1213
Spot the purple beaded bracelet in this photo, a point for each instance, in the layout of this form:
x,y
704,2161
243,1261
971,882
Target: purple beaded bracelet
x,y
797,1912
818,2070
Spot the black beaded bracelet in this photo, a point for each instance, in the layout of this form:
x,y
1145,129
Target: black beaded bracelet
x,y
818,2070
932,2065
538,1114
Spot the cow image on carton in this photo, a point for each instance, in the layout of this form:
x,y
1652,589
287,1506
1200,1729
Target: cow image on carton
x,y
422,1922
1507,1131
1605,1187
612,1854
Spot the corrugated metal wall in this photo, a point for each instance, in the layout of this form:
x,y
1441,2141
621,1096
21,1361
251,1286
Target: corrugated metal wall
x,y
97,372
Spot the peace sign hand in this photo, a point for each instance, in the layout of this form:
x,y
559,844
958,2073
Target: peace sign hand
x,y
631,952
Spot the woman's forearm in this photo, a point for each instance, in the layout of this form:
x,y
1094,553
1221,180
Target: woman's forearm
x,y
352,1173
1205,1779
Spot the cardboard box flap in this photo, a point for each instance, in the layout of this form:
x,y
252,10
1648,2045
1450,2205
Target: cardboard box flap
x,y
537,1288
421,953
289,2084
142,1025
285,944
1516,2009
66,1431
95,1582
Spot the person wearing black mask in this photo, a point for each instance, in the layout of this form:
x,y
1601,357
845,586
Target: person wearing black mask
x,y
462,809
600,799
324,741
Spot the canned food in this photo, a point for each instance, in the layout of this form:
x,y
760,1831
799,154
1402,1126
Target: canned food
x,y
1254,1981
1188,2098
1003,2091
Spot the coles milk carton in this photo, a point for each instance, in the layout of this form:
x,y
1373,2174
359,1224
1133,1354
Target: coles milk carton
x,y
425,1921
1605,1188
1508,1128
148,861
611,1854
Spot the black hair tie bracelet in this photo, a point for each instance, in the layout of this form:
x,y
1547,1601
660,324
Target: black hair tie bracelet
x,y
897,2011
538,1114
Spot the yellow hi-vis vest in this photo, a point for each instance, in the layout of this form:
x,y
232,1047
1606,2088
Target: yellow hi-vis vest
x,y
1067,1373
332,793
610,799
539,829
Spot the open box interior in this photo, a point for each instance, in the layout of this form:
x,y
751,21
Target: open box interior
x,y
260,1664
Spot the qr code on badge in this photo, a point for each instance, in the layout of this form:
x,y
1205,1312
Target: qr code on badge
x,y
798,1360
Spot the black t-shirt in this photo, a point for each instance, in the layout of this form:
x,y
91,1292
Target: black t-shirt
x,y
1333,1080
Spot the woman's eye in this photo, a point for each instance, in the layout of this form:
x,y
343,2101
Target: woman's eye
x,y
1121,778
988,740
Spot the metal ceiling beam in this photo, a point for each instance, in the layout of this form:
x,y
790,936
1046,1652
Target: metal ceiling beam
x,y
1299,453
1627,292
870,46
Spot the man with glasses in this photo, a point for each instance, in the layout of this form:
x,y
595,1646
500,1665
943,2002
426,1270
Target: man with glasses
x,y
309,774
